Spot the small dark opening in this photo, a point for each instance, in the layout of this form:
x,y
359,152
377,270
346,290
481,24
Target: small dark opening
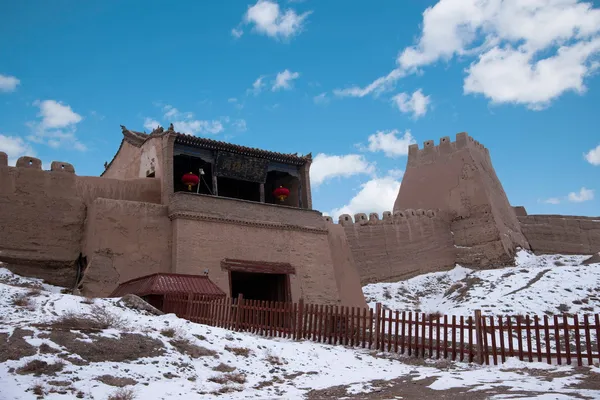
x,y
257,286
151,174
238,189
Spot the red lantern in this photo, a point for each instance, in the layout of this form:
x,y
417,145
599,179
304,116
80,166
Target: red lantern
x,y
281,193
190,180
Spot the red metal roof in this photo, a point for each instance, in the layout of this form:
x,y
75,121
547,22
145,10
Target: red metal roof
x,y
162,283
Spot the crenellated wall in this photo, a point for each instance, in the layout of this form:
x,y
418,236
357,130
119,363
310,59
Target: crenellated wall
x,y
561,234
458,178
400,245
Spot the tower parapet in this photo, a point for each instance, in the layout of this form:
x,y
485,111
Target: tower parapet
x,y
432,152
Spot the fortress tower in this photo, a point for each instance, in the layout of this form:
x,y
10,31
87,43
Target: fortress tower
x,y
458,178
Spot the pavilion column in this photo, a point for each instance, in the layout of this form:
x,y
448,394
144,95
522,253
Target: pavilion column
x,y
215,187
262,192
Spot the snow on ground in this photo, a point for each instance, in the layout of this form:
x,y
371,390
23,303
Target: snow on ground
x,y
548,284
164,357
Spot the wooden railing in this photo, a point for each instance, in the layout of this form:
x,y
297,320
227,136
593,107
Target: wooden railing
x,y
482,339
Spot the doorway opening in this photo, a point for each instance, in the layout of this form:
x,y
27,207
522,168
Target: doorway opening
x,y
260,286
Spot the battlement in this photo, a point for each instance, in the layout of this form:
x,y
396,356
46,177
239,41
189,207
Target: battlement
x,y
386,218
430,152
35,163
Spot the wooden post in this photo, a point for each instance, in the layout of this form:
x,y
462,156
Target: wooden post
x,y
377,324
238,314
479,337
215,187
262,192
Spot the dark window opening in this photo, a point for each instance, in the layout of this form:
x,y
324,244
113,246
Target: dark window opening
x,y
183,164
151,174
238,189
278,178
258,286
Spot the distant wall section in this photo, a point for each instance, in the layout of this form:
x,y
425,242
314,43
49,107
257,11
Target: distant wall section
x,y
400,245
560,234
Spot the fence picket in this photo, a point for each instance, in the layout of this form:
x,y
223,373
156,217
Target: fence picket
x,y
547,334
502,348
588,339
538,340
557,339
416,352
529,348
409,333
567,342
494,352
462,339
577,341
453,337
423,335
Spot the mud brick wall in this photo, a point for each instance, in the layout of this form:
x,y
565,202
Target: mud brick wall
x,y
400,245
559,234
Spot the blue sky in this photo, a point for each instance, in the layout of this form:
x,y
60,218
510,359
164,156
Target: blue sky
x,y
350,81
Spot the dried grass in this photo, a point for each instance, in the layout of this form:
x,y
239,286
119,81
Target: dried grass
x,y
238,351
122,394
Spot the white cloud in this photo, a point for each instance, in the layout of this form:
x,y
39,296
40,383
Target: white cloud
x,y
270,20
396,173
8,83
325,167
194,127
321,99
376,195
258,85
57,126
56,115
15,147
151,124
240,125
583,195
528,52
377,87
552,200
284,79
237,33
416,104
390,143
593,156
507,75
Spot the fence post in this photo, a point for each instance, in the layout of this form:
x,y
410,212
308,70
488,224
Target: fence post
x,y
377,324
238,314
479,337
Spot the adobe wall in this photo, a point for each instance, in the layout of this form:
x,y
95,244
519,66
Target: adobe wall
x,y
46,210
345,269
399,246
41,219
560,234
131,162
124,240
458,178
207,230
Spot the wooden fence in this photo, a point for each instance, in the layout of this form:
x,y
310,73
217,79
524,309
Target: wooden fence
x,y
481,339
